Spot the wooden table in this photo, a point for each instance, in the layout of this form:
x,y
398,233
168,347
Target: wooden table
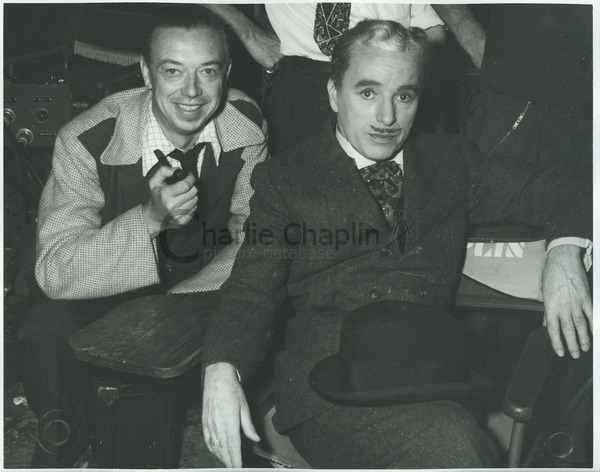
x,y
159,338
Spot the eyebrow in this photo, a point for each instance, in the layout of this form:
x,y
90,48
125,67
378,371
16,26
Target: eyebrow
x,y
375,83
177,63
366,83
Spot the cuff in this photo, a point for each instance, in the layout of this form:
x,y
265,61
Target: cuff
x,y
581,242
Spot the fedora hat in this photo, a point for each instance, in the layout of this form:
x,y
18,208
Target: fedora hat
x,y
396,352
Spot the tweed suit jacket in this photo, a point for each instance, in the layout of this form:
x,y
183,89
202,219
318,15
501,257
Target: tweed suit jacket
x,y
448,183
80,256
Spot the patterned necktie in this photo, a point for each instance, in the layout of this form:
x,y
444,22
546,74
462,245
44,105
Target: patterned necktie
x,y
331,20
386,181
189,159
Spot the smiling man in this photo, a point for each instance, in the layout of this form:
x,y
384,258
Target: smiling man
x,y
417,193
113,222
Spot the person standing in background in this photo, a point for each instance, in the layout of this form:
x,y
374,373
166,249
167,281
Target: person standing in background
x,y
298,55
534,94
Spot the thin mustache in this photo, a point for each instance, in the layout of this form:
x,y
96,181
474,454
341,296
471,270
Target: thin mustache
x,y
387,131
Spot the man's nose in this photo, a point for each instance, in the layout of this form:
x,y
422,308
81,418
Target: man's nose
x,y
192,86
386,112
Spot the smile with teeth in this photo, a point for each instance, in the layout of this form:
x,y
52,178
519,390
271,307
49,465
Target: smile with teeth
x,y
189,108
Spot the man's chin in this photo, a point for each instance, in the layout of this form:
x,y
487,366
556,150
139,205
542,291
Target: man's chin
x,y
382,153
192,126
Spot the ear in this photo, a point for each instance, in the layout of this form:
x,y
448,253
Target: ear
x,y
227,71
146,73
332,90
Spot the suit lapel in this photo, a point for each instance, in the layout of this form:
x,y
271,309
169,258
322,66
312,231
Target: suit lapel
x,y
338,179
230,164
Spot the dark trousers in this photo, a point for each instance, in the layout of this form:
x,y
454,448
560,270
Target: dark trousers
x,y
297,104
428,435
56,385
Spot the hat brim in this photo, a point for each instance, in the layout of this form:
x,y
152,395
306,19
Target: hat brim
x,y
324,380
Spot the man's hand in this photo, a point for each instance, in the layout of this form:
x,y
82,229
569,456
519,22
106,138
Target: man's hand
x,y
567,301
262,45
224,411
170,206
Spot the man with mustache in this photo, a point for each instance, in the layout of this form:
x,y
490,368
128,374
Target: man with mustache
x,y
417,193
114,224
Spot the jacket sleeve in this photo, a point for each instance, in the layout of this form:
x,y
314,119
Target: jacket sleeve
x,y
240,332
555,197
215,273
77,258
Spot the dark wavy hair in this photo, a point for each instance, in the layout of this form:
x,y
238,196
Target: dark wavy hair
x,y
385,34
187,16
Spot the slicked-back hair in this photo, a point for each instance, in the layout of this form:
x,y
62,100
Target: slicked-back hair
x,y
187,16
388,35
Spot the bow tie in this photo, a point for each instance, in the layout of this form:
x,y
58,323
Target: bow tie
x,y
189,159
384,179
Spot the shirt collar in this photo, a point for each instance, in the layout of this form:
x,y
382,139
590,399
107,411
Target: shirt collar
x,y
154,138
360,160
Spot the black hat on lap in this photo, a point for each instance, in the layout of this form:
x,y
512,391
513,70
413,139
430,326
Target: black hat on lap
x,y
395,352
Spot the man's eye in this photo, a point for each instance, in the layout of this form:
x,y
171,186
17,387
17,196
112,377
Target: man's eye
x,y
209,72
367,94
172,72
405,97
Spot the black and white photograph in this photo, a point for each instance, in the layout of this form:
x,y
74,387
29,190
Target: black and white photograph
x,y
298,235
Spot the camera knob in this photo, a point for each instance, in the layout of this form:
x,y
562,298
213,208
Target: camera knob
x,y
9,116
24,137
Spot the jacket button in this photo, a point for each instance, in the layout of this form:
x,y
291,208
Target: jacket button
x,y
424,292
374,294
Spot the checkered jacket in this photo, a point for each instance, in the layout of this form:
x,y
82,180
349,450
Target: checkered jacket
x,y
79,257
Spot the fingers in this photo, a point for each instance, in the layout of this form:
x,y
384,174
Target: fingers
x,y
587,308
221,435
224,407
573,324
554,333
158,179
570,335
567,300
174,205
182,215
581,328
162,173
247,426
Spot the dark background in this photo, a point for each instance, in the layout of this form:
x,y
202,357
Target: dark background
x,y
38,50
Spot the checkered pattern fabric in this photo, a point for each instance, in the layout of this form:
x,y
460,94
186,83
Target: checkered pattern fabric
x,y
154,138
78,258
